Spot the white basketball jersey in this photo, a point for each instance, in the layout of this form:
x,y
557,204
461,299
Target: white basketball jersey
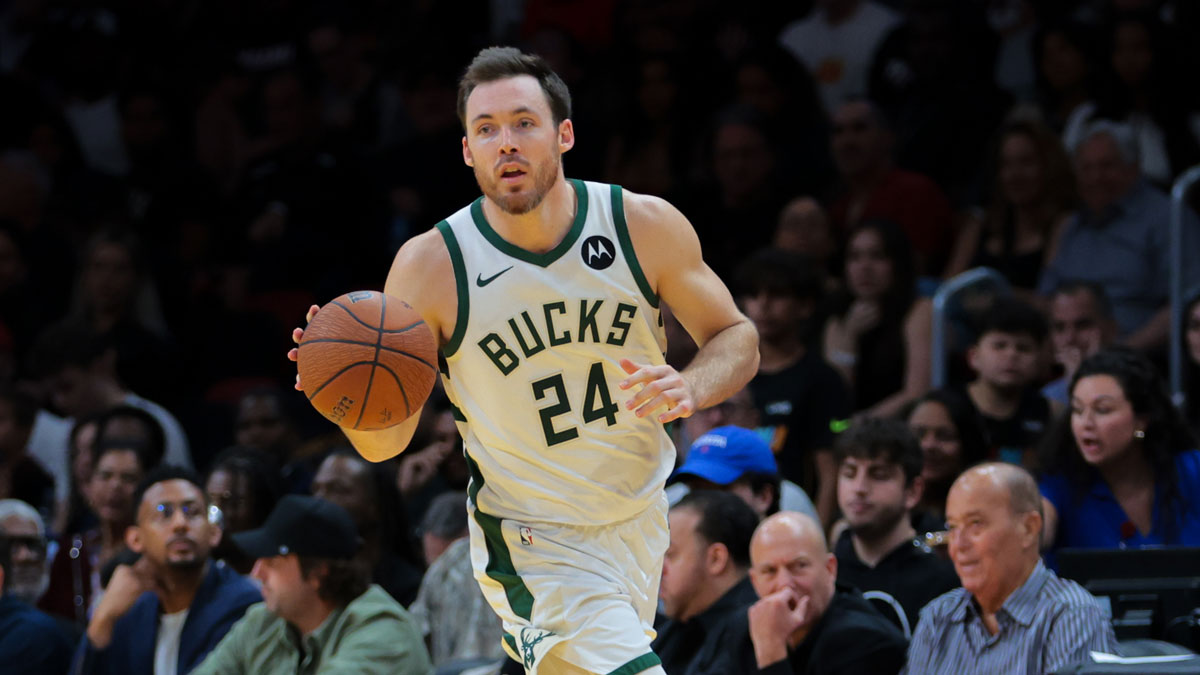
x,y
532,368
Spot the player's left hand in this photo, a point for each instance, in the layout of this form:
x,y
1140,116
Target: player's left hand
x,y
661,386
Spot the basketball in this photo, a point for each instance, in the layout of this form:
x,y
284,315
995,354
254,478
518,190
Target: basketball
x,y
367,361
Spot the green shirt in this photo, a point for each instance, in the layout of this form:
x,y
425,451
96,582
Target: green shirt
x,y
373,634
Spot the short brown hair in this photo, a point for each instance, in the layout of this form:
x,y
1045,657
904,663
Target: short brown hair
x,y
343,579
498,63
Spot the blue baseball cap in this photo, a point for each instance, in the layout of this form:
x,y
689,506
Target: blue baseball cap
x,y
725,454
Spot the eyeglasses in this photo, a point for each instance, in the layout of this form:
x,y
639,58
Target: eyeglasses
x,y
190,511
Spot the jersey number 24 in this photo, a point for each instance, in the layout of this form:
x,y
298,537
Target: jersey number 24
x,y
597,403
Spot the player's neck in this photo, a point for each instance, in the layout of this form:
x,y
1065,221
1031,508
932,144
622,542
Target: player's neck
x,y
542,228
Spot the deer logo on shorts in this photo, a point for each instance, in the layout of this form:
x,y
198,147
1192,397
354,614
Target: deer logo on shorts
x,y
526,536
530,638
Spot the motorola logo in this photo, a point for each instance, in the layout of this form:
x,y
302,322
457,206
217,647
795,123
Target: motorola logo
x,y
598,252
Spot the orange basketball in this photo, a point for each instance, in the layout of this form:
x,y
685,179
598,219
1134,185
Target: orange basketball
x,y
367,361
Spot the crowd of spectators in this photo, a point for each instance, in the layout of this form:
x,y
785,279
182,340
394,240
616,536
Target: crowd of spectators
x,y
180,180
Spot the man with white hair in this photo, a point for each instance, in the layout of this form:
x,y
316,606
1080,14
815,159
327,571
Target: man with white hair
x,y
1118,239
25,531
1012,614
30,642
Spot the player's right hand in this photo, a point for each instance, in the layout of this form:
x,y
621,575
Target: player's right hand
x,y
297,336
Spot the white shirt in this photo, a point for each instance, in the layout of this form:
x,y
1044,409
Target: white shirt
x,y
839,57
166,645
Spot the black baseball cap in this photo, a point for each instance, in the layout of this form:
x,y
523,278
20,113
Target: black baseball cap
x,y
305,526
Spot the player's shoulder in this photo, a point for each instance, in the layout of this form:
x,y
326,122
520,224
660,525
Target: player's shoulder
x,y
651,216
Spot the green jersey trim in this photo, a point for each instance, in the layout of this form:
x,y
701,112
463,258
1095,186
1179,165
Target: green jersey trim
x,y
460,285
648,660
618,209
499,566
539,259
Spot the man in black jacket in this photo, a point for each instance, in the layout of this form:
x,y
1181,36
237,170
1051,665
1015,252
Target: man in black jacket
x,y
704,581
804,623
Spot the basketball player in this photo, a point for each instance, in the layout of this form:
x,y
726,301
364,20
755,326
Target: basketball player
x,y
545,297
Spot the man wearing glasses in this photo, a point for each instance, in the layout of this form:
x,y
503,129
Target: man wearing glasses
x,y
30,642
175,593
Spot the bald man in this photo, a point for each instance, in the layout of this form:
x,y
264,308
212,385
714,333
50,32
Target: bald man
x,y
804,622
1012,614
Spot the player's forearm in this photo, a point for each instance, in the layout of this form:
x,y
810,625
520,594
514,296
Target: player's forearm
x,y
724,364
376,446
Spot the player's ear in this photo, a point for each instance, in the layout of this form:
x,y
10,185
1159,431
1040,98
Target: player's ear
x,y
468,159
566,135
133,538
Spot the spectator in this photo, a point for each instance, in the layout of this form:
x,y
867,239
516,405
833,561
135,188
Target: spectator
x,y
126,424
934,76
21,477
1122,469
798,394
1005,358
75,570
769,79
837,43
1012,614
746,190
804,228
879,553
653,150
368,492
951,441
1118,238
704,579
875,189
116,299
1067,74
1081,324
26,577
878,335
450,610
319,611
1145,88
30,642
1031,198
244,484
732,459
804,621
80,367
174,596
438,466
265,422
73,513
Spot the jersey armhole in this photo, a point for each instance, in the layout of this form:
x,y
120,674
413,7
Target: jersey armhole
x,y
460,285
618,210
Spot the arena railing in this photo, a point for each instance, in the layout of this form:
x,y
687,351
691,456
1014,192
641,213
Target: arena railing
x,y
984,279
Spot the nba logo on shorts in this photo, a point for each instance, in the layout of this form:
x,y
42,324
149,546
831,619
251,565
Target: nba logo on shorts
x,y
526,536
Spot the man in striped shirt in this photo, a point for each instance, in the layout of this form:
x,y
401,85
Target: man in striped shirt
x,y
1012,614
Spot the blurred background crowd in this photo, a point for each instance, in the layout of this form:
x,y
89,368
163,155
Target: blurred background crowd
x,y
180,180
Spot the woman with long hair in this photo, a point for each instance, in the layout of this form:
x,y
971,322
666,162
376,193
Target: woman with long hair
x,y
952,441
1121,469
1032,196
878,335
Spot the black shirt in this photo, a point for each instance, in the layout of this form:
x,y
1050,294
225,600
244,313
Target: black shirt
x,y
798,403
852,638
682,645
1009,439
912,574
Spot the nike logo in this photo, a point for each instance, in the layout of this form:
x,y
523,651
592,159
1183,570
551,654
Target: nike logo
x,y
481,282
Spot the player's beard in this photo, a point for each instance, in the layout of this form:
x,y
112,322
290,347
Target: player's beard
x,y
520,203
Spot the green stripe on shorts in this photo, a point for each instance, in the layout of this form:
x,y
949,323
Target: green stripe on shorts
x,y
648,660
499,566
